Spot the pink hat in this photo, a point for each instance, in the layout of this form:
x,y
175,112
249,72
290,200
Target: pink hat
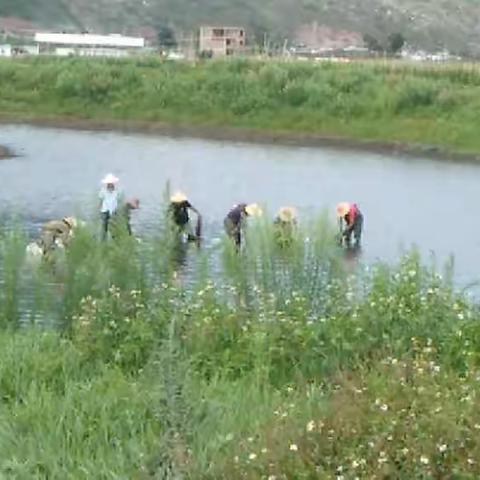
x,y
110,179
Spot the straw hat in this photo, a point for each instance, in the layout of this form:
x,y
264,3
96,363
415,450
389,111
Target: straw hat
x,y
110,179
178,197
71,222
342,209
253,210
287,214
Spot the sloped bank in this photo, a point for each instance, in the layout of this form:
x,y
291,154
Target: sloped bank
x,y
431,110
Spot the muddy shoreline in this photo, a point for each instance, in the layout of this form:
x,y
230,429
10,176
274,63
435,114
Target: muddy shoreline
x,y
237,134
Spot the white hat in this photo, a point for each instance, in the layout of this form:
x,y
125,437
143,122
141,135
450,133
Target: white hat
x,y
178,197
110,179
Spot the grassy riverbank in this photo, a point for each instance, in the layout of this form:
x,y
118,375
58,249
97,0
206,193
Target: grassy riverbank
x,y
281,364
430,105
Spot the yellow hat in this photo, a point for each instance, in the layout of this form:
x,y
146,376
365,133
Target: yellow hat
x,y
178,197
253,210
71,222
342,209
287,214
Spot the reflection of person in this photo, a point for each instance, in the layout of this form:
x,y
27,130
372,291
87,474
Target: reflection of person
x,y
236,219
284,225
109,198
56,233
179,208
350,223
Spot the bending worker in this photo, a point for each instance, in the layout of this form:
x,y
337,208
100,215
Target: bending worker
x,y
122,217
351,223
109,198
285,224
179,208
56,233
236,219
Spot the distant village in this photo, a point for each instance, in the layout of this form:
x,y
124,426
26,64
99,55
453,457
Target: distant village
x,y
312,42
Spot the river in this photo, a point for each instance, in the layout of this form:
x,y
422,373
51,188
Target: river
x,y
406,201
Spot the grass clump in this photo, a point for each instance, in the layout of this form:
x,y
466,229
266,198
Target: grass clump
x,y
283,361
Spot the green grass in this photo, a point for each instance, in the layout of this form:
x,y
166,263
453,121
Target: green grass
x,y
286,363
432,105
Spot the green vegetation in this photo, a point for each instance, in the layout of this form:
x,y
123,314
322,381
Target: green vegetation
x,y
284,363
364,101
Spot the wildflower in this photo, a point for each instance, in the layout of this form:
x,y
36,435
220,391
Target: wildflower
x,y
461,316
384,407
470,461
310,426
424,460
383,458
293,447
405,450
412,273
442,448
272,477
250,439
264,450
355,464
252,456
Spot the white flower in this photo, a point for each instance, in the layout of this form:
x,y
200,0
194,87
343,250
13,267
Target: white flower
x,y
384,407
424,460
272,477
252,456
471,461
293,447
405,450
264,450
442,448
310,426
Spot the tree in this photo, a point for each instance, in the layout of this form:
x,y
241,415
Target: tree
x,y
372,43
396,41
166,37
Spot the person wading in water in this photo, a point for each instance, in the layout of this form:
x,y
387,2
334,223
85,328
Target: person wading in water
x,y
179,209
235,220
109,201
285,225
351,224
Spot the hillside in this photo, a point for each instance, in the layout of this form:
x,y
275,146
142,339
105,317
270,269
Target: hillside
x,y
427,24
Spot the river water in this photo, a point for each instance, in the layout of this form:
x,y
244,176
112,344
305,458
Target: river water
x,y
406,201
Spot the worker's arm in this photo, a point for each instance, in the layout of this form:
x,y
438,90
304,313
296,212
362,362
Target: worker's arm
x,y
193,209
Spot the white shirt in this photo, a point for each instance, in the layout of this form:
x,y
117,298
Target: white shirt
x,y
109,200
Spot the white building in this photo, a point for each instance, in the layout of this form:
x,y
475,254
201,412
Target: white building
x,y
66,44
5,50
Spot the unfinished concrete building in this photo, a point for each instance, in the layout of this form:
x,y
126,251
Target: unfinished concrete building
x,y
221,41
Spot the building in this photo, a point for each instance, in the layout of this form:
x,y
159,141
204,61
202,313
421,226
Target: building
x,y
221,41
86,44
6,51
